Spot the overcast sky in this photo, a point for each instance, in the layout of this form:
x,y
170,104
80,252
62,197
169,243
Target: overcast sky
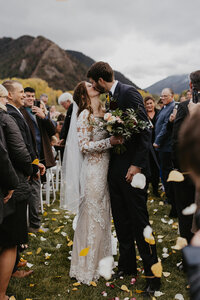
x,y
146,40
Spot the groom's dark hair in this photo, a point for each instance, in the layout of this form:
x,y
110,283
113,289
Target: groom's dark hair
x,y
101,70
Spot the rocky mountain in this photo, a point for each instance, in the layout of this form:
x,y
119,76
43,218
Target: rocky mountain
x,y
27,57
178,83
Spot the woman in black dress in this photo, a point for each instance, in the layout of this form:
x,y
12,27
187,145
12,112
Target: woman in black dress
x,y
14,171
152,112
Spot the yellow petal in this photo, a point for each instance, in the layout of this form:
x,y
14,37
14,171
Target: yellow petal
x,y
74,289
29,253
175,176
70,244
84,252
57,213
180,243
76,284
45,214
138,291
150,240
31,284
54,219
38,250
35,162
57,230
41,231
157,269
124,288
93,283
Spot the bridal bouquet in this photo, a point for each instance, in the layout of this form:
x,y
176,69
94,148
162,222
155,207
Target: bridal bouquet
x,y
122,123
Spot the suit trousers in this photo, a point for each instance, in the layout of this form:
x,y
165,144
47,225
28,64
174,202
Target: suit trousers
x,y
184,196
34,204
130,217
166,166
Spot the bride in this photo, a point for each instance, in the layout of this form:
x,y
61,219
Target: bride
x,y
85,183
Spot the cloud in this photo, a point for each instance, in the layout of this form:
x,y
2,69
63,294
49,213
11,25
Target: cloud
x,y
146,40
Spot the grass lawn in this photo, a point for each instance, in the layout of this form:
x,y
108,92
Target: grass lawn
x,y
49,253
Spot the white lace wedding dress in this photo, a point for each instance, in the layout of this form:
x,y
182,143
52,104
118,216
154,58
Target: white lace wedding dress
x,y
93,228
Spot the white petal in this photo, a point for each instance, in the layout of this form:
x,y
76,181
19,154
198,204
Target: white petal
x,y
190,210
147,232
179,297
138,181
105,267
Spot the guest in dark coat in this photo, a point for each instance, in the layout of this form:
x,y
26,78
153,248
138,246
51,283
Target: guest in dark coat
x,y
152,112
15,169
189,149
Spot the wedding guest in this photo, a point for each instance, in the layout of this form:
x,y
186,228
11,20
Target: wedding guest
x,y
189,95
189,149
182,98
152,112
44,98
13,230
160,103
185,191
33,115
65,100
54,113
128,204
15,101
163,144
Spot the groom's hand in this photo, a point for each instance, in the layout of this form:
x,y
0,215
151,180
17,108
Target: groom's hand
x,y
131,172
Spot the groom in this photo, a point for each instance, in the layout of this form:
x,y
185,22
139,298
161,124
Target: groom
x,y
128,204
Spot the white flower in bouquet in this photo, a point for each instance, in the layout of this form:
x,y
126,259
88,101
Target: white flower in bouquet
x,y
107,116
112,119
105,267
138,181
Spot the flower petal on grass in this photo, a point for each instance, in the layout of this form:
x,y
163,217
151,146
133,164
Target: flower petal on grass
x,y
179,297
76,284
158,293
180,243
93,283
124,288
166,274
29,265
70,243
38,250
157,269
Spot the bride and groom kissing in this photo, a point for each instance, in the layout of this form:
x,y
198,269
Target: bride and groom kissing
x,y
96,178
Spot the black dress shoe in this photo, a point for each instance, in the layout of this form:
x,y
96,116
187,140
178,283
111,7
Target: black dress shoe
x,y
119,274
152,285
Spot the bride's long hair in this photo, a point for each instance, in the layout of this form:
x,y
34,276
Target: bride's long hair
x,y
82,98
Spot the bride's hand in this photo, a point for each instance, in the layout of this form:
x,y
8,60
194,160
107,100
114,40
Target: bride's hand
x,y
116,140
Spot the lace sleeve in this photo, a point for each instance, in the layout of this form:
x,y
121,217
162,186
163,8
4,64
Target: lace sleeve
x,y
84,130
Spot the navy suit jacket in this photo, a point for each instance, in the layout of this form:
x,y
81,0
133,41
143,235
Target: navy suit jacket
x,y
138,146
163,138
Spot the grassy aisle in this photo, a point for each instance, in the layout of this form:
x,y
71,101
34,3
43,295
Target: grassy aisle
x,y
49,253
